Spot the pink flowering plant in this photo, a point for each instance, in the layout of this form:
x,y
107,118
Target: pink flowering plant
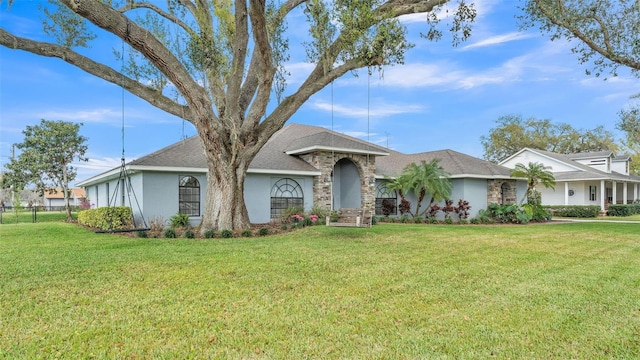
x,y
86,204
297,218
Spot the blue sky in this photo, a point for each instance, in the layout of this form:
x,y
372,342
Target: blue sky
x,y
442,97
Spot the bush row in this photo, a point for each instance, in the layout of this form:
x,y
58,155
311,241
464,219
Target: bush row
x,y
580,211
107,218
623,209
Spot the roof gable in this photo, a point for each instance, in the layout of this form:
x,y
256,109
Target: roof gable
x,y
557,162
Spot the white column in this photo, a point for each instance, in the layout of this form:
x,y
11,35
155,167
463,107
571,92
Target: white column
x,y
624,192
613,192
566,193
602,195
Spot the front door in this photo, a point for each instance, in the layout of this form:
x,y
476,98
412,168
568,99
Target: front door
x,y
346,185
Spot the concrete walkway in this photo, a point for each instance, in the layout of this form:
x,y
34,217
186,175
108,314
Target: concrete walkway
x,y
597,220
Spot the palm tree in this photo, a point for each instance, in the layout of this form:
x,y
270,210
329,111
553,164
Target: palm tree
x,y
536,173
426,178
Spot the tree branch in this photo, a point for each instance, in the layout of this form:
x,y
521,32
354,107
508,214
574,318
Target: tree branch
x,y
607,52
132,5
264,64
155,51
239,43
102,71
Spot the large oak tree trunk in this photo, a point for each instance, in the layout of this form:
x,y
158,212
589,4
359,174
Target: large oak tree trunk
x,y
224,207
228,158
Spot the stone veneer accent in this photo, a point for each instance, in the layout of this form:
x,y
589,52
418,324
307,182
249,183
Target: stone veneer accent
x,y
325,161
494,191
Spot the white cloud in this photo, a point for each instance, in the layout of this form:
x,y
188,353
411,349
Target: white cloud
x,y
379,110
498,39
88,116
299,72
447,10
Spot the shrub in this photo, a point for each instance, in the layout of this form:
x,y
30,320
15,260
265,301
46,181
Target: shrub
x,y
226,234
209,234
141,234
388,207
522,217
448,208
284,227
581,211
433,220
307,221
179,220
107,218
475,221
507,213
170,233
246,233
448,220
404,219
156,224
433,211
263,232
189,234
462,210
405,206
538,212
463,221
374,220
287,215
319,212
623,209
418,219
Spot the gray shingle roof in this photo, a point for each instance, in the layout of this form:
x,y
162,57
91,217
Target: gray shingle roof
x,y
186,153
189,153
587,173
589,155
453,162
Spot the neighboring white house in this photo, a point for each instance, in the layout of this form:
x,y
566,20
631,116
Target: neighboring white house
x,y
595,178
55,197
300,166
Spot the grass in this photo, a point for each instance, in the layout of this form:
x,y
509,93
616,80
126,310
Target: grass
x,y
393,291
26,216
635,217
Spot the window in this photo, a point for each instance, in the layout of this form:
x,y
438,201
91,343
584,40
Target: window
x,y
189,196
386,200
286,193
592,193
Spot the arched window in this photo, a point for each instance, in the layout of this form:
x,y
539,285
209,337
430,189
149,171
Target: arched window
x,y
386,200
189,196
285,193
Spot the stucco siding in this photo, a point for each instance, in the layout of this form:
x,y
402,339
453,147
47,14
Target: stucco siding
x,y
472,190
257,190
160,199
257,194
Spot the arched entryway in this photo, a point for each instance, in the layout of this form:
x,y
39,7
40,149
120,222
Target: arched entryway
x,y
347,185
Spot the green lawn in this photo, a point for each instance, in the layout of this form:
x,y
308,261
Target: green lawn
x,y
26,216
395,291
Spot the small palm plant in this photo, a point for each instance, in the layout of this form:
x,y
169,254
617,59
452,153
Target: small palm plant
x,y
422,179
535,173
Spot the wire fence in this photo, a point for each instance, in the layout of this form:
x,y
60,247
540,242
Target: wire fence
x,y
10,215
